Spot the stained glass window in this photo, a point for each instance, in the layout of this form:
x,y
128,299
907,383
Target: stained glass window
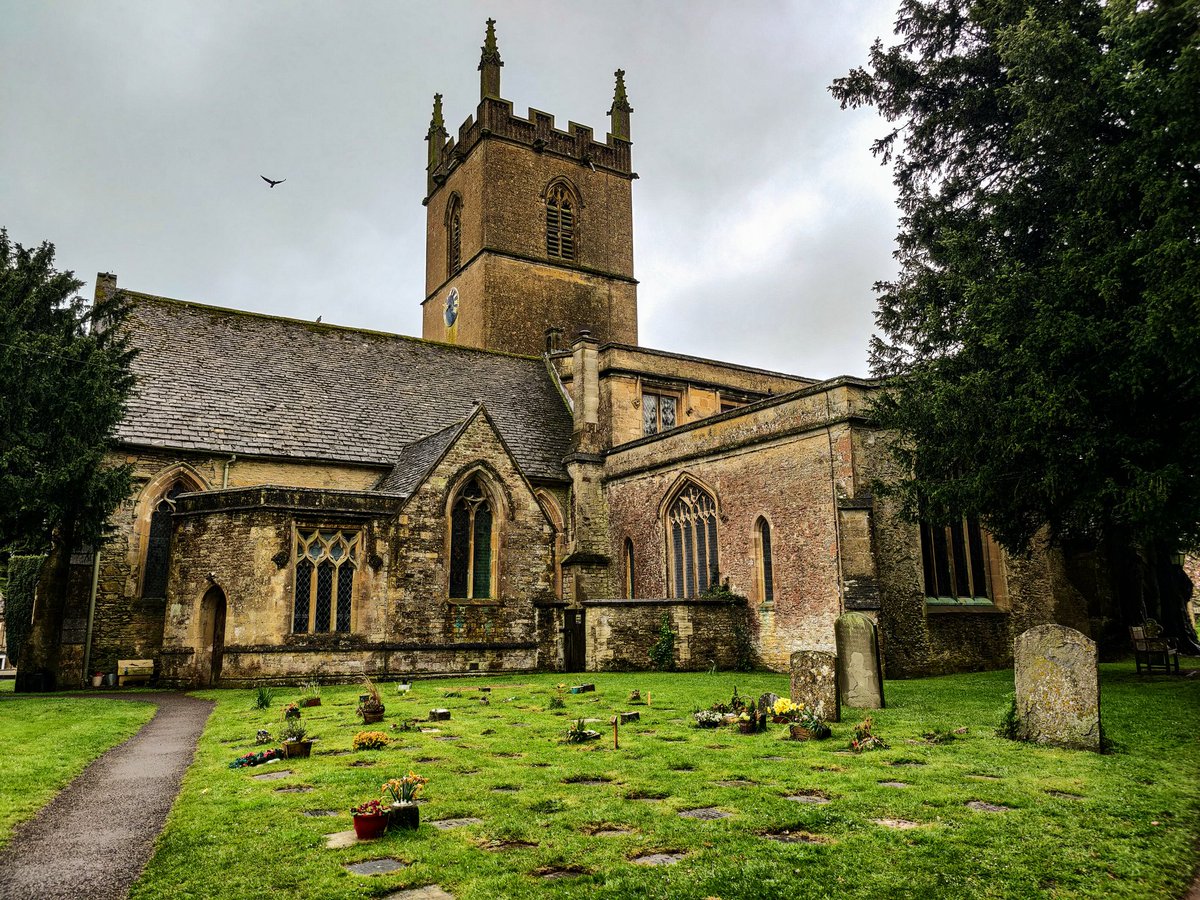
x,y
692,520
324,603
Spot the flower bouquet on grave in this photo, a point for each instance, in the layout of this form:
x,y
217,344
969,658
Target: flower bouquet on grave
x,y
403,791
370,820
370,707
312,694
295,744
708,718
291,711
256,759
579,733
864,737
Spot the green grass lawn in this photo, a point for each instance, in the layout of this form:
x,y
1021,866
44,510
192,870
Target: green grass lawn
x,y
46,740
1076,824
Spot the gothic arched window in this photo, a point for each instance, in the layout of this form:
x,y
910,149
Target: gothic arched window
x,y
158,546
766,573
454,235
471,543
692,533
560,223
325,564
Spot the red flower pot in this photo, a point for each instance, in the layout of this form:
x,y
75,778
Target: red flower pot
x,y
367,828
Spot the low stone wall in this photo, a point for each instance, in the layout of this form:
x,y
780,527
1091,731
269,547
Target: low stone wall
x,y
620,633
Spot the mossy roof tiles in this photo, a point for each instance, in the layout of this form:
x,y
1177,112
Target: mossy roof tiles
x,y
226,381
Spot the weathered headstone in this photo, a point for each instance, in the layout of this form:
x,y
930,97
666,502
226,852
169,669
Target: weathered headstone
x,y
1058,687
860,675
815,684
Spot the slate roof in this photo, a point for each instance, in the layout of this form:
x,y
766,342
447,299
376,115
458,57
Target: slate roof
x,y
417,459
227,381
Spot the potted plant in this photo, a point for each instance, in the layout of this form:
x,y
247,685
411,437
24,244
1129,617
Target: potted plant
x,y
370,706
312,694
97,679
295,746
403,791
291,711
370,820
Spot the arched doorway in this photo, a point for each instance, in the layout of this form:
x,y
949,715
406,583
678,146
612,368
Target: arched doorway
x,y
212,636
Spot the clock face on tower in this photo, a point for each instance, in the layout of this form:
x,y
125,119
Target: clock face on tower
x,y
451,311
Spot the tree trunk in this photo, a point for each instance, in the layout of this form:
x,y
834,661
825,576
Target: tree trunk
x,y
38,667
1167,594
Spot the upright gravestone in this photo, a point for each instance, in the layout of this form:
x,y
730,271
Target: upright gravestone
x,y
814,683
1058,688
860,675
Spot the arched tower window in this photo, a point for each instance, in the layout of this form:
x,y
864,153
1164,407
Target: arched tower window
x,y
560,222
692,532
471,543
158,545
454,235
628,558
766,574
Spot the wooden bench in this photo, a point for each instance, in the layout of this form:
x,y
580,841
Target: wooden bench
x,y
1153,652
130,671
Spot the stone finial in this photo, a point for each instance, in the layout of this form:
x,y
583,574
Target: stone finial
x,y
620,110
489,64
437,132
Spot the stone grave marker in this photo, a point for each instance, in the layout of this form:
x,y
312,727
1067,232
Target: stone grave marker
x,y
860,674
1058,688
815,683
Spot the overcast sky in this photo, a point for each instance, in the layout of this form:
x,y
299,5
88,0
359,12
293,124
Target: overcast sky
x,y
133,134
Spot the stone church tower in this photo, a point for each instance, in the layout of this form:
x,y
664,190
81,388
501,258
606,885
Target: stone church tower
x,y
529,228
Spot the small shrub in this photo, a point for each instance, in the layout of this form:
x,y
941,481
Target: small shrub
x,y
662,653
1010,722
452,694
263,696
370,740
578,733
293,731
557,703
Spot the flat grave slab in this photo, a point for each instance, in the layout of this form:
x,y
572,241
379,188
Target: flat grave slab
x,y
735,782
321,813
898,824
554,873
704,812
426,892
633,716
294,789
507,845
340,840
272,776
894,784
984,806
814,798
1065,795
447,824
659,859
376,866
795,837
611,832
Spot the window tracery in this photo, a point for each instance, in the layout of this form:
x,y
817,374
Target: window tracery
x,y
692,532
471,539
560,223
326,560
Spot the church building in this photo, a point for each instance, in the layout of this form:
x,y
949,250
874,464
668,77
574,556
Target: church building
x,y
524,487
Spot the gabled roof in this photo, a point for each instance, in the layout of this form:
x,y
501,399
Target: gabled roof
x,y
417,459
227,381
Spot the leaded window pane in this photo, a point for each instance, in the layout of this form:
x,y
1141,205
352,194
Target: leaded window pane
x,y
303,588
482,586
324,596
460,548
693,527
345,591
764,533
668,412
649,413
158,547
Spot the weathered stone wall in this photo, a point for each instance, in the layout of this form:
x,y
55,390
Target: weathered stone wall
x,y
784,460
125,625
620,633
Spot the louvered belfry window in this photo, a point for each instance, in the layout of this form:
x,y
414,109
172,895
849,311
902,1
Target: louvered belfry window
x,y
158,547
325,563
471,544
560,223
454,235
692,529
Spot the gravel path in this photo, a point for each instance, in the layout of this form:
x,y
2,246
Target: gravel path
x,y
95,837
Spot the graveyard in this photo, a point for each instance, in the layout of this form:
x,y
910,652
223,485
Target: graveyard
x,y
512,809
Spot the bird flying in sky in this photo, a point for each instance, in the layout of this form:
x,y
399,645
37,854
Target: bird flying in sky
x,y
270,182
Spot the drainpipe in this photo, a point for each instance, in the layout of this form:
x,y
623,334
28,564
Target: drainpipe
x,y
87,644
225,477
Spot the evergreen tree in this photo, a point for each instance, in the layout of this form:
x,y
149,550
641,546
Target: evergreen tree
x,y
65,376
1042,338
